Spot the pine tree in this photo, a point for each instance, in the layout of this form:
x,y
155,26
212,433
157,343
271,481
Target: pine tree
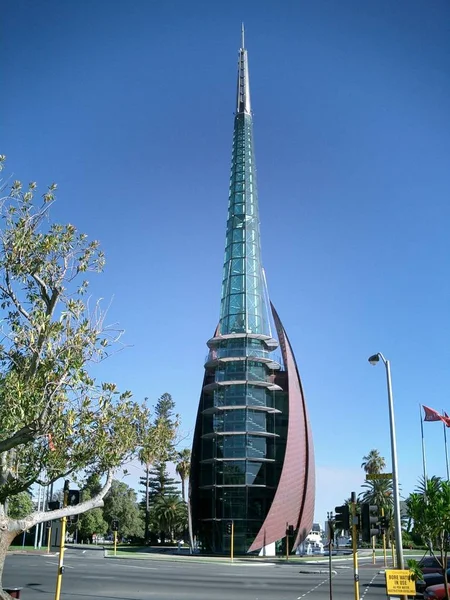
x,y
160,484
160,487
158,445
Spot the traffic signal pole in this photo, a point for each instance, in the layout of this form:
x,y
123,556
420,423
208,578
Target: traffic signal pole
x,y
287,541
355,546
49,540
232,541
330,553
384,540
62,544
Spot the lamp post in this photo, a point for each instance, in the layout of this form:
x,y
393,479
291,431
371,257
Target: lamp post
x,y
397,520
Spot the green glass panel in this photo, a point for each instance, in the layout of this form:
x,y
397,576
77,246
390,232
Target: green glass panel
x,y
242,227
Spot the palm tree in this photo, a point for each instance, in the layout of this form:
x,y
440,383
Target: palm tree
x,y
169,515
378,492
373,462
183,467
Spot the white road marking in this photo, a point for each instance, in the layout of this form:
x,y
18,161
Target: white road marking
x,y
55,563
368,586
314,588
139,567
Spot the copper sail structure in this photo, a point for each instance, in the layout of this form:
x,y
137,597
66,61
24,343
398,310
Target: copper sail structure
x,y
252,457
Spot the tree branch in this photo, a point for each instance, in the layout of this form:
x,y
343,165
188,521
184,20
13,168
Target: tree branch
x,y
24,435
40,517
9,292
42,287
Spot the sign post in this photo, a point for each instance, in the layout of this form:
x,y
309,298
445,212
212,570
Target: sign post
x,y
372,476
115,528
400,583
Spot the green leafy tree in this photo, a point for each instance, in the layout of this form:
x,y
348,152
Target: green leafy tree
x,y
20,505
92,522
428,508
121,503
55,419
373,462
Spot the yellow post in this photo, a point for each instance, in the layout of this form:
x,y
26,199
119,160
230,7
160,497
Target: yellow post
x,y
62,544
115,543
49,538
232,541
384,541
374,560
355,546
394,562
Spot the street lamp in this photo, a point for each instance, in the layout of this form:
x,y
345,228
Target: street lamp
x,y
397,520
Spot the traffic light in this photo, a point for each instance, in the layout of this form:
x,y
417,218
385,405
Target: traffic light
x,y
384,523
290,531
342,517
54,505
369,521
73,498
72,519
115,525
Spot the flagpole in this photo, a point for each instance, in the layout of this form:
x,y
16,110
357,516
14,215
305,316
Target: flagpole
x,y
423,448
445,445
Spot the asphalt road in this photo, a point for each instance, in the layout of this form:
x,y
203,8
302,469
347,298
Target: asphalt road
x,y
89,576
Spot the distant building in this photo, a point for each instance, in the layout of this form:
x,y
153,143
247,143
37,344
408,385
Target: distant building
x,y
252,458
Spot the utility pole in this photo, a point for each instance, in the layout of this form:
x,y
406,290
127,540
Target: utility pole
x,y
355,545
37,528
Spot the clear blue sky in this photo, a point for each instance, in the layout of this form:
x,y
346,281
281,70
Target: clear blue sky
x,y
129,107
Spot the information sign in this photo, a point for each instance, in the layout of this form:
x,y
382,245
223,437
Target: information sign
x,y
400,582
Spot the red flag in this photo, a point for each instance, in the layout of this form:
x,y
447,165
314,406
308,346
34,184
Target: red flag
x,y
446,419
431,414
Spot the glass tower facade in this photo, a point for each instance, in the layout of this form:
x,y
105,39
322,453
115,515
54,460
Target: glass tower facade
x,y
242,423
239,403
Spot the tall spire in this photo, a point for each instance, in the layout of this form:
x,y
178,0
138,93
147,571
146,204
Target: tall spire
x,y
244,308
243,83
252,455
